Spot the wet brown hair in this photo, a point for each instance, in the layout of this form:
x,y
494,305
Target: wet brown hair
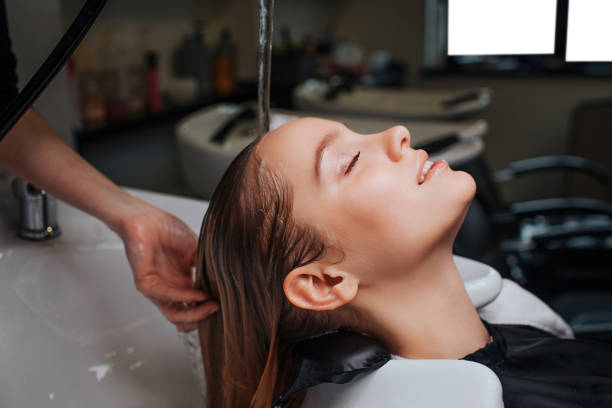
x,y
249,242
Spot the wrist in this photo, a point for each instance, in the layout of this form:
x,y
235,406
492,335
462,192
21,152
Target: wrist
x,y
126,214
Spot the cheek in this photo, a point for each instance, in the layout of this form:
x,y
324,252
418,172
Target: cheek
x,y
385,213
388,216
378,195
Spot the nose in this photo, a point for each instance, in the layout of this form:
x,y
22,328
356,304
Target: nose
x,y
397,140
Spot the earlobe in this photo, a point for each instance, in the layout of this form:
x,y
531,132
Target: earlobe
x,y
320,287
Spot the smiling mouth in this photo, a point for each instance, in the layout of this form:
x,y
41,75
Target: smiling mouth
x,y
426,168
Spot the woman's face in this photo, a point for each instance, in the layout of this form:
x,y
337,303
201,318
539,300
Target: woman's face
x,y
364,193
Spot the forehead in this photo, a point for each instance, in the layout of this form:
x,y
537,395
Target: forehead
x,y
293,145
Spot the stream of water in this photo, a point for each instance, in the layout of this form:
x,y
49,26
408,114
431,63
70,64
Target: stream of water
x,y
266,16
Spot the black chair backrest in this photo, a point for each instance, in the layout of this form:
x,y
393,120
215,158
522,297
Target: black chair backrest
x,y
591,138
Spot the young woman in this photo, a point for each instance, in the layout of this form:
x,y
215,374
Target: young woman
x,y
315,227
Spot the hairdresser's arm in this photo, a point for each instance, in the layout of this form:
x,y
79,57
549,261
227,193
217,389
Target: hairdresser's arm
x,y
161,248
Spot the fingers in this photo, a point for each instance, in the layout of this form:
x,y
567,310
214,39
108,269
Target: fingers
x,y
172,295
153,287
182,307
186,318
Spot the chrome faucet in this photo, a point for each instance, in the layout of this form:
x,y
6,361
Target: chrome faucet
x,y
37,212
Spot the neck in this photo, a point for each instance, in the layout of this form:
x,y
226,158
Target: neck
x,y
426,315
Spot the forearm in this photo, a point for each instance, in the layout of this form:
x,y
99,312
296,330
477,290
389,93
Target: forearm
x,y
34,152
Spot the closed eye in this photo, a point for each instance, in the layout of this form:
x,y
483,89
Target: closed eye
x,y
352,163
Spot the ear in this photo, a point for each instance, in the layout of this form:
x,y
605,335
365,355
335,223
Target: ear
x,y
320,287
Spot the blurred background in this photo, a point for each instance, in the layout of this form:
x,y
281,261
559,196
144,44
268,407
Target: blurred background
x,y
145,65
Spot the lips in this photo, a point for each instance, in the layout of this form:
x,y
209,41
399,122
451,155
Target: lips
x,y
433,169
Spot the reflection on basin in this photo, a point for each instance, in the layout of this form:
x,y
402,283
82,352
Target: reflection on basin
x,y
74,332
69,288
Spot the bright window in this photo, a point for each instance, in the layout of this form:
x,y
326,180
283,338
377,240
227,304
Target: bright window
x,y
501,27
589,30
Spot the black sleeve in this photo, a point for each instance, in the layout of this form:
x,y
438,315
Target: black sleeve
x,y
8,63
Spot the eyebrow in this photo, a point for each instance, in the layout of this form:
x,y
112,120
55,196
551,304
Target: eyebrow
x,y
327,139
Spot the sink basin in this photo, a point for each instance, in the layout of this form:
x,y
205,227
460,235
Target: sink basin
x,y
74,332
403,103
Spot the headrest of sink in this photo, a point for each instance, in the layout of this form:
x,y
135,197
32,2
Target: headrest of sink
x,y
483,283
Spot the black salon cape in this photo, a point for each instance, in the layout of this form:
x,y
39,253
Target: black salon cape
x,y
537,369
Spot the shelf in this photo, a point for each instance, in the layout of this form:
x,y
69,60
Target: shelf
x,y
245,92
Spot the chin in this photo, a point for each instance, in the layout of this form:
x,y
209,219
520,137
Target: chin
x,y
460,188
453,196
468,184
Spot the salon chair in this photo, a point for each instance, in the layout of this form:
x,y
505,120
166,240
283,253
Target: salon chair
x,y
355,373
541,232
559,243
558,248
589,130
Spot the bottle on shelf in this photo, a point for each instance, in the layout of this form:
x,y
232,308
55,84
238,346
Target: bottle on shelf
x,y
223,65
191,59
154,98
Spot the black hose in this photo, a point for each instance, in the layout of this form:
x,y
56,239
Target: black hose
x,y
54,62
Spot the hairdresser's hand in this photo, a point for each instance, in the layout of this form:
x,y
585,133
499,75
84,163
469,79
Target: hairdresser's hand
x,y
162,250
